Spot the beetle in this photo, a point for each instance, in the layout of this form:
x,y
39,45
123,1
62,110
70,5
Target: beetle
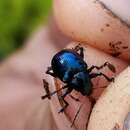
x,y
69,66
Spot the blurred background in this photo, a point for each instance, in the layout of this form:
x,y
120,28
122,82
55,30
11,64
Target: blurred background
x,y
18,19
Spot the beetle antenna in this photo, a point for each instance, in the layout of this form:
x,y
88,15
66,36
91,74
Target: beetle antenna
x,y
76,115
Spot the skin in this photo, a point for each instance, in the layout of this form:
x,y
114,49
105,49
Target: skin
x,y
120,8
24,71
90,22
97,83
117,105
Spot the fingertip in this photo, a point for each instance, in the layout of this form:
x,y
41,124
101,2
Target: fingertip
x,y
90,22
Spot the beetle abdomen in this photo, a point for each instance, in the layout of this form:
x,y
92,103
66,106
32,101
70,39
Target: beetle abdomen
x,y
66,63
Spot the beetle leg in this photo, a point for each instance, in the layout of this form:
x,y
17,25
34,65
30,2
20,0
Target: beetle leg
x,y
94,75
79,49
76,48
48,93
110,66
93,101
63,96
74,98
46,87
76,115
64,107
81,53
99,87
50,72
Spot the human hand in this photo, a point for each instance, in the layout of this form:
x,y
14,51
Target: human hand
x,y
21,81
79,29
21,87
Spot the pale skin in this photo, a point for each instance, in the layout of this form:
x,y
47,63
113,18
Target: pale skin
x,y
21,107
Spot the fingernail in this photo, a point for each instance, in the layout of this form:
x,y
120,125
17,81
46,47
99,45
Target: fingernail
x,y
127,122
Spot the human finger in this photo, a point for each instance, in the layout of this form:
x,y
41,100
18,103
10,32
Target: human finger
x,y
92,57
114,101
92,22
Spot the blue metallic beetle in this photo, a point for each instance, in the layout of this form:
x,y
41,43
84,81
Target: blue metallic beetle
x,y
68,65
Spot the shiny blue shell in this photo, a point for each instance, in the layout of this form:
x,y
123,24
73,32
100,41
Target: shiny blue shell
x,y
67,63
70,68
